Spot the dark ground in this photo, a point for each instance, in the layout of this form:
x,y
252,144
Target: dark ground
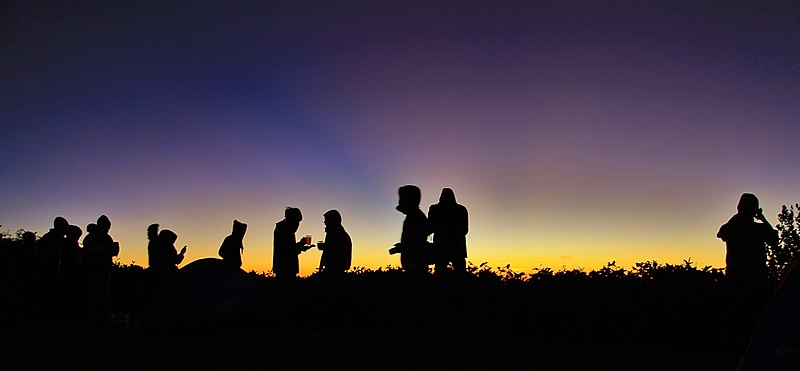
x,y
379,320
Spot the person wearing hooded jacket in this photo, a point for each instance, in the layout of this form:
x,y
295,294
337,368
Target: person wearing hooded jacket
x,y
285,261
99,248
49,249
449,222
162,256
168,257
337,249
232,246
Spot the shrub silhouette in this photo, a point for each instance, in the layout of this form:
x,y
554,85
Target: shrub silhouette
x,y
788,249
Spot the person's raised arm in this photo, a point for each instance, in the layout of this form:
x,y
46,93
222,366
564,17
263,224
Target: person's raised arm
x,y
180,256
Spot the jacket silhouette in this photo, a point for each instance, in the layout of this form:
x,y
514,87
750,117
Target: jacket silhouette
x,y
286,248
152,245
413,245
232,246
449,223
71,261
99,248
98,251
50,245
746,241
48,258
337,250
166,257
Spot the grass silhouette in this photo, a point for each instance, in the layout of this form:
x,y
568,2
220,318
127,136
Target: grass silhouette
x,y
648,316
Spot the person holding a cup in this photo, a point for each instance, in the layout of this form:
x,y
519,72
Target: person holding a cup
x,y
337,250
285,261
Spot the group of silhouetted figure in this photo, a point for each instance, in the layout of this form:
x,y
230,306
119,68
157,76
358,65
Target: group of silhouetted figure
x,y
57,269
58,266
447,221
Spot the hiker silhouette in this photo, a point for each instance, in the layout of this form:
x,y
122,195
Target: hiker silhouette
x,y
167,256
285,253
152,246
50,245
233,246
162,256
71,261
337,249
449,223
746,236
98,252
413,246
48,261
99,248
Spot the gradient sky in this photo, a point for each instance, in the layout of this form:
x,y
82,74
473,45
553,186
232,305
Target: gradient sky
x,y
576,132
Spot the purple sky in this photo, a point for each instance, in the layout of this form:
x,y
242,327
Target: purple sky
x,y
576,132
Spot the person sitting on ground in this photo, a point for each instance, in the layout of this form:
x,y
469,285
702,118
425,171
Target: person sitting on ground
x,y
233,246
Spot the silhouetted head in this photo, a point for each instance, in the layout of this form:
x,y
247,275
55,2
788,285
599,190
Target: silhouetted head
x,y
447,196
60,225
91,228
332,217
748,204
167,236
74,232
292,217
293,214
152,231
239,228
409,198
104,223
29,237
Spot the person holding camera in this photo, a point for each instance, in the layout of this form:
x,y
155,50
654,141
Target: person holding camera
x,y
746,236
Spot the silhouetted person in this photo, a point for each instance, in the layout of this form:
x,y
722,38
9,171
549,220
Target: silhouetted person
x,y
449,223
233,246
337,250
49,259
152,244
51,244
72,268
98,252
99,248
167,257
747,235
71,260
285,262
162,255
71,253
413,245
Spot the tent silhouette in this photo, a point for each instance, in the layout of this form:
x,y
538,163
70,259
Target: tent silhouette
x,y
207,289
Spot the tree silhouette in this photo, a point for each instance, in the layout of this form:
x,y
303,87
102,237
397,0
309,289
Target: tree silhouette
x,y
788,249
